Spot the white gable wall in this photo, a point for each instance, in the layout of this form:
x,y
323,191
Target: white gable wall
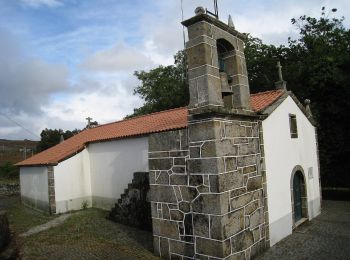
x,y
282,154
73,183
34,187
112,166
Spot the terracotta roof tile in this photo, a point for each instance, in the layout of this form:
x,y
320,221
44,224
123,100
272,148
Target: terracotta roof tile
x,y
137,126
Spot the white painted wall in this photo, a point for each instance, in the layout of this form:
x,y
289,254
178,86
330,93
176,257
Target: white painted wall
x,y
282,154
112,166
73,183
34,187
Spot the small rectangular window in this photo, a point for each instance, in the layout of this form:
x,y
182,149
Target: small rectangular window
x,y
293,126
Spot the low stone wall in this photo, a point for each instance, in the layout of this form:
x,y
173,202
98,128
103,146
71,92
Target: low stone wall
x,y
9,189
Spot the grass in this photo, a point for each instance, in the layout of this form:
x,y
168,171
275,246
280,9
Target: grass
x,y
86,234
22,218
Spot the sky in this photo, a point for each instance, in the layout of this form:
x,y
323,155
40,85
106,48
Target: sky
x,y
64,60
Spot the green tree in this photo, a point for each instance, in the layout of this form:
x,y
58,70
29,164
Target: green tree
x,y
51,137
9,171
163,88
316,66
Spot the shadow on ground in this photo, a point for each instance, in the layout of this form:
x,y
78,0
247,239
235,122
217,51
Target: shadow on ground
x,y
325,237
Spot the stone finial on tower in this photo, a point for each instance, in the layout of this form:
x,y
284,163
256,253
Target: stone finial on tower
x,y
230,22
199,10
61,138
307,107
280,84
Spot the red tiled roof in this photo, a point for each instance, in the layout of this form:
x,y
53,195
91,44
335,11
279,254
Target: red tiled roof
x,y
137,126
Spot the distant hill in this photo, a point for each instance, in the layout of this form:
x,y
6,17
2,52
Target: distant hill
x,y
16,150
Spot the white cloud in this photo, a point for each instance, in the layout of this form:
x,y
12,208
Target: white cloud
x,y
118,58
26,83
39,3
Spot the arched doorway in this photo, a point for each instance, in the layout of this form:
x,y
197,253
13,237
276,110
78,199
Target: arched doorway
x,y
299,196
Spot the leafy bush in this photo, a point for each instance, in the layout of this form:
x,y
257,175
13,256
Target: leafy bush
x,y
9,171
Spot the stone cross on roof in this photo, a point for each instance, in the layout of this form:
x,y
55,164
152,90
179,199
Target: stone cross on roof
x,y
280,84
279,67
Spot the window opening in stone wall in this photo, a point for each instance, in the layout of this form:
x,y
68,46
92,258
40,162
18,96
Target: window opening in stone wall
x,y
225,62
293,126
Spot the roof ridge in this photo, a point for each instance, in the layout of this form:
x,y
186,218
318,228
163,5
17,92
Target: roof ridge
x,y
265,92
136,117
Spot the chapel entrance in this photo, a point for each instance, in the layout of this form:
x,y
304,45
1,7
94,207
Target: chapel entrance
x,y
299,197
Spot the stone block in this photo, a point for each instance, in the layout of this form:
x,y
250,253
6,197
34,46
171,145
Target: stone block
x,y
206,166
198,29
160,164
203,70
182,248
163,178
251,207
238,192
179,161
206,130
241,200
257,218
161,193
242,241
188,193
196,180
164,141
222,227
234,129
176,215
185,207
219,249
211,203
195,152
199,55
246,149
237,256
165,211
209,91
224,147
226,181
256,235
257,249
178,179
249,169
230,164
254,183
178,169
164,248
182,153
165,228
188,224
158,154
201,225
246,161
156,244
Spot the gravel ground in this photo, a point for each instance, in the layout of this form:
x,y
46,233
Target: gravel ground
x,y
325,237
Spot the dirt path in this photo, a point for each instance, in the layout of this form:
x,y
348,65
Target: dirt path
x,y
53,223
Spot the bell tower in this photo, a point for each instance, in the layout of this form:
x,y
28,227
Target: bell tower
x,y
217,68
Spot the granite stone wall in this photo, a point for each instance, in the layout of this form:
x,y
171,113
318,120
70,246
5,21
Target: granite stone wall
x,y
207,195
51,185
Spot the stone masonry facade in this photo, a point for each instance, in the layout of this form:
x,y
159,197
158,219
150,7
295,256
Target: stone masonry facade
x,y
207,193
